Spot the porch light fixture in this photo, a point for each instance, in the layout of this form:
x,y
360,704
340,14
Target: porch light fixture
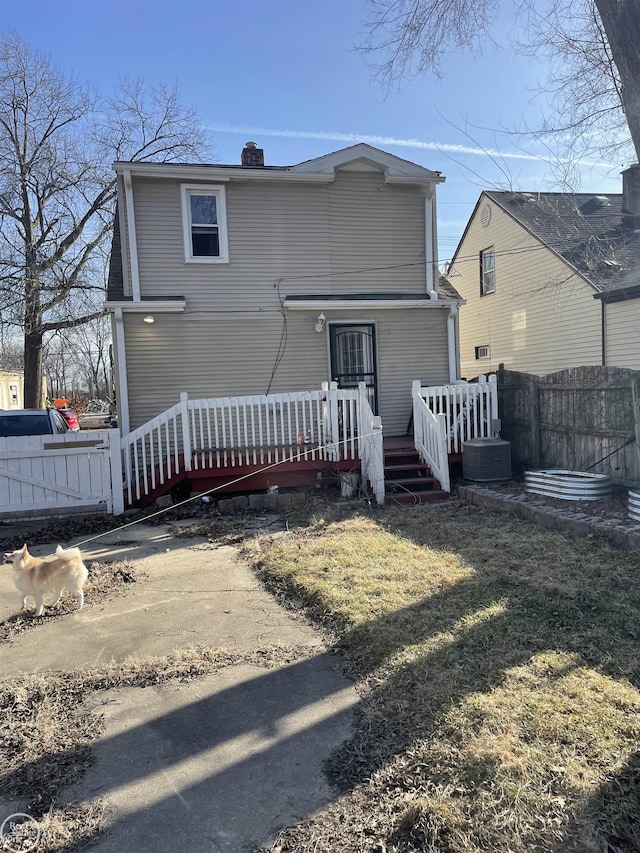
x,y
149,319
320,322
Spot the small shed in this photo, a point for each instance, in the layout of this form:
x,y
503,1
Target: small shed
x,y
11,389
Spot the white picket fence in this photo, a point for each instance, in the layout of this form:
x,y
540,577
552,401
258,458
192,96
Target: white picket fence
x,y
44,475
331,424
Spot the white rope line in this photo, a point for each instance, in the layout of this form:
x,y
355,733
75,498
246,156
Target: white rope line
x,y
200,495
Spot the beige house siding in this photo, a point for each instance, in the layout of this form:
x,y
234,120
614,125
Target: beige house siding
x,y
379,227
196,354
308,237
356,234
274,231
541,317
623,334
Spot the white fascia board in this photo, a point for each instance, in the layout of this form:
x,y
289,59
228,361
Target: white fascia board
x,y
211,173
122,391
132,240
426,180
170,306
369,304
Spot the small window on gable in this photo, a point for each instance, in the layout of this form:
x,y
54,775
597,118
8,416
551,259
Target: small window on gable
x,y
487,271
483,351
204,222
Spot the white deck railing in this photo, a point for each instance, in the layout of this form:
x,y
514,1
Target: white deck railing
x,y
370,444
154,452
470,409
229,432
430,437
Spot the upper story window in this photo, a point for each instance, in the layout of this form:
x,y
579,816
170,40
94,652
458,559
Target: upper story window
x,y
487,271
204,221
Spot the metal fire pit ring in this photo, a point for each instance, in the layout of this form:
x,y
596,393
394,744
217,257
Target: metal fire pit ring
x,y
567,485
634,505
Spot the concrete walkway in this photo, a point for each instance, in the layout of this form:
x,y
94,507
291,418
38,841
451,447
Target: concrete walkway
x,y
217,764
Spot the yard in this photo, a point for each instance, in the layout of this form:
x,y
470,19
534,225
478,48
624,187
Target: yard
x,y
496,663
498,669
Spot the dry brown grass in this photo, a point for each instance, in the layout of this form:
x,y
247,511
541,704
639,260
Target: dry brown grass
x,y
46,736
499,670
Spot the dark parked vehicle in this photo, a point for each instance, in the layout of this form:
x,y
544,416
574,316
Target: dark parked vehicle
x,y
31,422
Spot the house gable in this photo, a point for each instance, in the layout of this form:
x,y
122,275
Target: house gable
x,y
363,157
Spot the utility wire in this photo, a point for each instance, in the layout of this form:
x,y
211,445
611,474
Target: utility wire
x,y
295,457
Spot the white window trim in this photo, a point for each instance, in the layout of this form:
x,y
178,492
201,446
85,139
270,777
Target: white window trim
x,y
186,190
490,250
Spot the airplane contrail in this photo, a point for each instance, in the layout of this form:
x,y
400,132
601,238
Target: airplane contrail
x,y
398,142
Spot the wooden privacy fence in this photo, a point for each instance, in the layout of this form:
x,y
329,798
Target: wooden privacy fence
x,y
60,474
583,419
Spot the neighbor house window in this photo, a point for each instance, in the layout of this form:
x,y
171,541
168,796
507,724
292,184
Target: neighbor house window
x,y
487,271
483,351
204,221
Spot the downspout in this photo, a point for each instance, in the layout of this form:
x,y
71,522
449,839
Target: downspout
x,y
603,321
131,235
451,343
430,256
121,361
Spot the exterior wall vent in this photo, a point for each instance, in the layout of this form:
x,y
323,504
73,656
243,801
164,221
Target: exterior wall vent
x,y
486,460
595,203
485,215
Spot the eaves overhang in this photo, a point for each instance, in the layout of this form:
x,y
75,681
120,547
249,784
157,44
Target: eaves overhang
x,y
187,172
159,306
372,302
619,294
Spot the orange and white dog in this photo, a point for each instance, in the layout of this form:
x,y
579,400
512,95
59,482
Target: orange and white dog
x,y
36,577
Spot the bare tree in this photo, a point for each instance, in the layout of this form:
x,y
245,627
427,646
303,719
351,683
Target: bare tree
x,y
89,349
57,189
591,47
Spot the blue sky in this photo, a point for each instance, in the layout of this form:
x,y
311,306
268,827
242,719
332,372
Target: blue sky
x,y
285,73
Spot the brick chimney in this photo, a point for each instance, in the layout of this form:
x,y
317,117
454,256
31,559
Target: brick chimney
x,y
252,155
631,197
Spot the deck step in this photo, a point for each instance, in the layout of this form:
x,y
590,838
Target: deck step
x,y
416,466
408,480
390,454
415,498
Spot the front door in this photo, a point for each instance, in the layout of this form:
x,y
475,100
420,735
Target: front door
x,y
353,357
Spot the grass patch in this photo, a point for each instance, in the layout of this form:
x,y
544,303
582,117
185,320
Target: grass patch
x,y
46,737
498,665
106,579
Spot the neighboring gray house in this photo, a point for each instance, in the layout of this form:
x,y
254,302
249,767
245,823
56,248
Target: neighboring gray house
x,y
247,279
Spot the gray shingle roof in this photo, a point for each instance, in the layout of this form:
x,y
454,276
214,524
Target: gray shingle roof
x,y
584,229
